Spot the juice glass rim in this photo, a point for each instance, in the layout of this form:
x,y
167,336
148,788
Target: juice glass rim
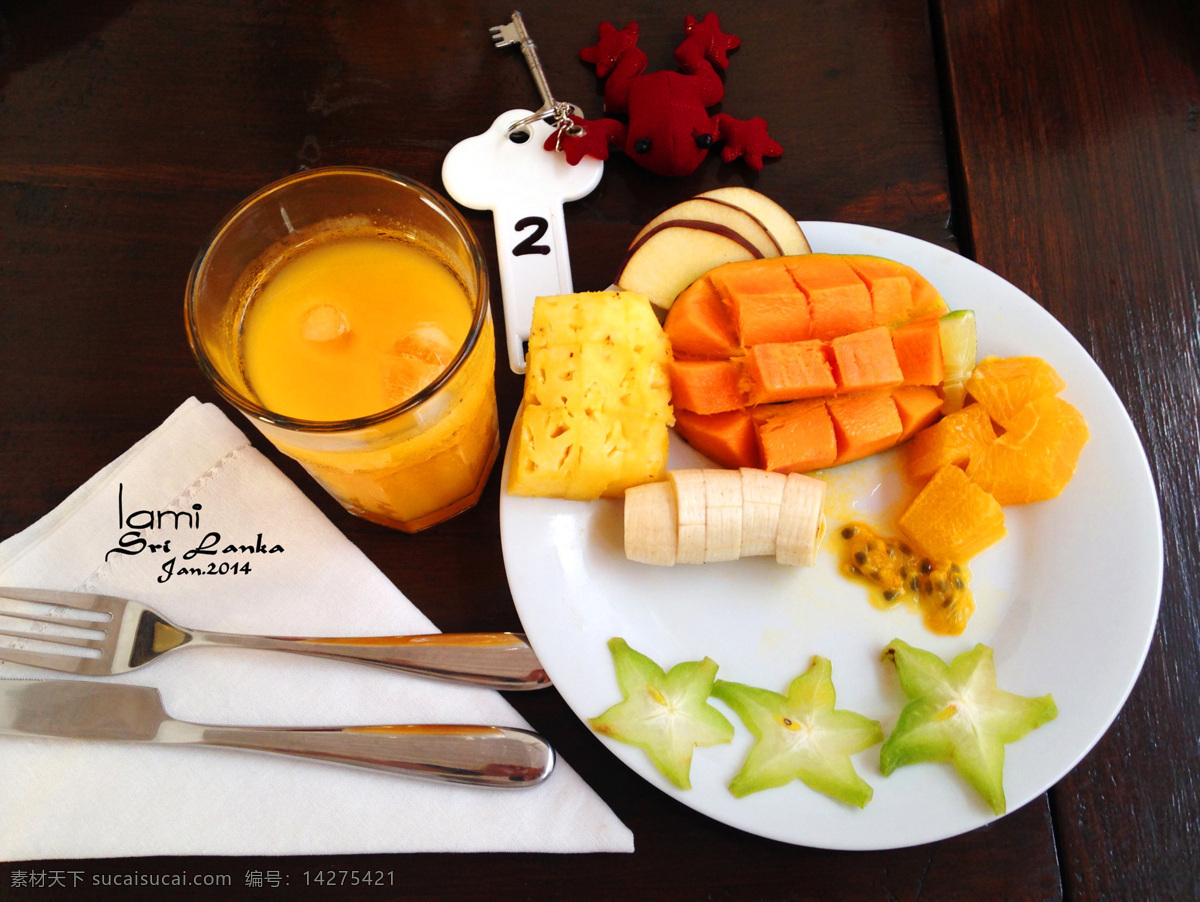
x,y
252,407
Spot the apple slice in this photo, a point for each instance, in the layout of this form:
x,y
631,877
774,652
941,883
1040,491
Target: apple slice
x,y
671,257
779,222
726,216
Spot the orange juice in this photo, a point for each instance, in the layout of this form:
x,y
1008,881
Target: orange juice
x,y
351,327
356,323
344,311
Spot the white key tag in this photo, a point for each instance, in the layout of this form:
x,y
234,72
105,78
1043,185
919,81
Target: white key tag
x,y
525,187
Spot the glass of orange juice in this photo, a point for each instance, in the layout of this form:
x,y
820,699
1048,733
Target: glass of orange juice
x,y
345,311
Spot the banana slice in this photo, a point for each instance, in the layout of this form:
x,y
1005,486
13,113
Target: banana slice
x,y
801,521
690,500
723,515
702,515
651,523
762,496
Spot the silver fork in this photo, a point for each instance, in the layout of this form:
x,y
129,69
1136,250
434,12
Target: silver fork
x,y
132,635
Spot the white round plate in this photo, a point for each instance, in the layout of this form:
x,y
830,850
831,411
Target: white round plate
x,y
1068,601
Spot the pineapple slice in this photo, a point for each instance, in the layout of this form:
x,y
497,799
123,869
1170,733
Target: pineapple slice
x,y
596,407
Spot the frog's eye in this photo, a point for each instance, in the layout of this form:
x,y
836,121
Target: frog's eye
x,y
704,142
642,145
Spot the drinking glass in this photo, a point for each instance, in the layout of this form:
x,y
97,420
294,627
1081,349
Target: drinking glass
x,y
409,465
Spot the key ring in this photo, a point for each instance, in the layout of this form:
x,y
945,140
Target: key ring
x,y
559,115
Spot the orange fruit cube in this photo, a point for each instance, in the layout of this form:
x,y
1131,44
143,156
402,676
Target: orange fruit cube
x,y
1003,385
952,519
954,439
699,323
1036,458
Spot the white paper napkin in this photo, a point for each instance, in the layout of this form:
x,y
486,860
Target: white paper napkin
x,y
74,799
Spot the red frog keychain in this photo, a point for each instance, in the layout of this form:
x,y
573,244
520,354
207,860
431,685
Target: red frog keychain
x,y
669,130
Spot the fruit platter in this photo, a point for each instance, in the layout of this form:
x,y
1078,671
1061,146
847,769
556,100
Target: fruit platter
x,y
633,584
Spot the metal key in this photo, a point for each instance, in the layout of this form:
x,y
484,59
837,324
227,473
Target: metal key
x,y
514,32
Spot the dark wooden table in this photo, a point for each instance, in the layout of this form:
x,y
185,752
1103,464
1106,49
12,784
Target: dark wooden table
x,y
1055,143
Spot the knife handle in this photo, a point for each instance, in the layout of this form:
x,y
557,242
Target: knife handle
x,y
477,755
492,660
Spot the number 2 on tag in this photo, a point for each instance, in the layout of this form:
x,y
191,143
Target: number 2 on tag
x,y
530,245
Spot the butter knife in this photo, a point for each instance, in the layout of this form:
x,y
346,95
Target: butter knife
x,y
477,755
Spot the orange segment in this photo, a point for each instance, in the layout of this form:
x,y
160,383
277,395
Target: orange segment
x,y
1003,385
1036,458
952,519
955,439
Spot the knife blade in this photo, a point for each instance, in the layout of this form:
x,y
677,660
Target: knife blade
x,y
458,753
77,710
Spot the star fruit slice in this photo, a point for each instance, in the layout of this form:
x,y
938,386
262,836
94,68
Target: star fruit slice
x,y
955,713
665,714
801,737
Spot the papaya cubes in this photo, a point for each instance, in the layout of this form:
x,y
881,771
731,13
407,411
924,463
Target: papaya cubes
x,y
864,424
783,299
833,357
699,324
891,290
791,371
918,349
788,371
728,438
838,300
706,386
764,302
919,406
865,360
796,437
824,432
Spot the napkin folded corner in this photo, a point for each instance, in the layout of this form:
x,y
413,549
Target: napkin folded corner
x,y
296,574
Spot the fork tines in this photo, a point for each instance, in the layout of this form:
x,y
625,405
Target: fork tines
x,y
54,645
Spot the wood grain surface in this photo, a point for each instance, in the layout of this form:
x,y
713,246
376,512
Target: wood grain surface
x,y
1055,143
